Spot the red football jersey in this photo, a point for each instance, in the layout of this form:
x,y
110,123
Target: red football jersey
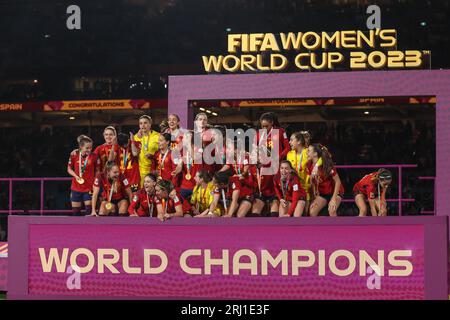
x,y
88,166
177,140
267,186
118,187
283,143
246,184
322,184
170,204
233,184
193,169
367,186
143,203
129,166
290,190
102,152
165,165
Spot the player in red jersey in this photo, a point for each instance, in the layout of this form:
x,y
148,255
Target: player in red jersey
x,y
143,203
167,200
203,136
186,168
229,195
173,121
239,167
372,188
289,191
116,192
165,165
81,167
264,193
107,151
326,184
127,159
269,122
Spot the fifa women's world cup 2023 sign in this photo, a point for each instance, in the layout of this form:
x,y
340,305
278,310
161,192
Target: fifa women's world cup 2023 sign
x,y
352,49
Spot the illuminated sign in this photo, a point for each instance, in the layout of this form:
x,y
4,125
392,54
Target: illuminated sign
x,y
373,49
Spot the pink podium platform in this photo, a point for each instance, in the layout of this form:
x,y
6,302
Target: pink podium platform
x,y
253,258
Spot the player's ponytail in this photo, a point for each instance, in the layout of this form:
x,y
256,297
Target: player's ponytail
x,y
325,155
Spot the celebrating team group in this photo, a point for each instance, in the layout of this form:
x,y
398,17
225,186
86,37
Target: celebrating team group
x,y
164,175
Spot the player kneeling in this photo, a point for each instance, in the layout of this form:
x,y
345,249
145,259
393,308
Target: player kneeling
x,y
202,195
116,192
291,195
167,200
371,187
143,203
327,186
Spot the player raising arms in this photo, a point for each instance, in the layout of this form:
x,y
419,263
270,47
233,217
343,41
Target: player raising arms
x,y
143,203
371,187
107,151
148,140
289,191
127,159
116,192
167,200
326,184
81,166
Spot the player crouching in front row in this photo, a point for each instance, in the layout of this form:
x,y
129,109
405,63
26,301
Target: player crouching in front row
x,y
116,192
290,194
143,203
168,201
372,187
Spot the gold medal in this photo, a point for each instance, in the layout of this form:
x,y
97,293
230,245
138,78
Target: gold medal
x,y
108,206
188,176
80,181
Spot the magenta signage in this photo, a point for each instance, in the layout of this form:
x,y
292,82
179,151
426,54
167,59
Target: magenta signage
x,y
223,262
258,258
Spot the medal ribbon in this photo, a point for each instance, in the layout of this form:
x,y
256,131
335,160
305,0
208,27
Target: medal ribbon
x,y
125,156
111,192
224,201
150,208
82,169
